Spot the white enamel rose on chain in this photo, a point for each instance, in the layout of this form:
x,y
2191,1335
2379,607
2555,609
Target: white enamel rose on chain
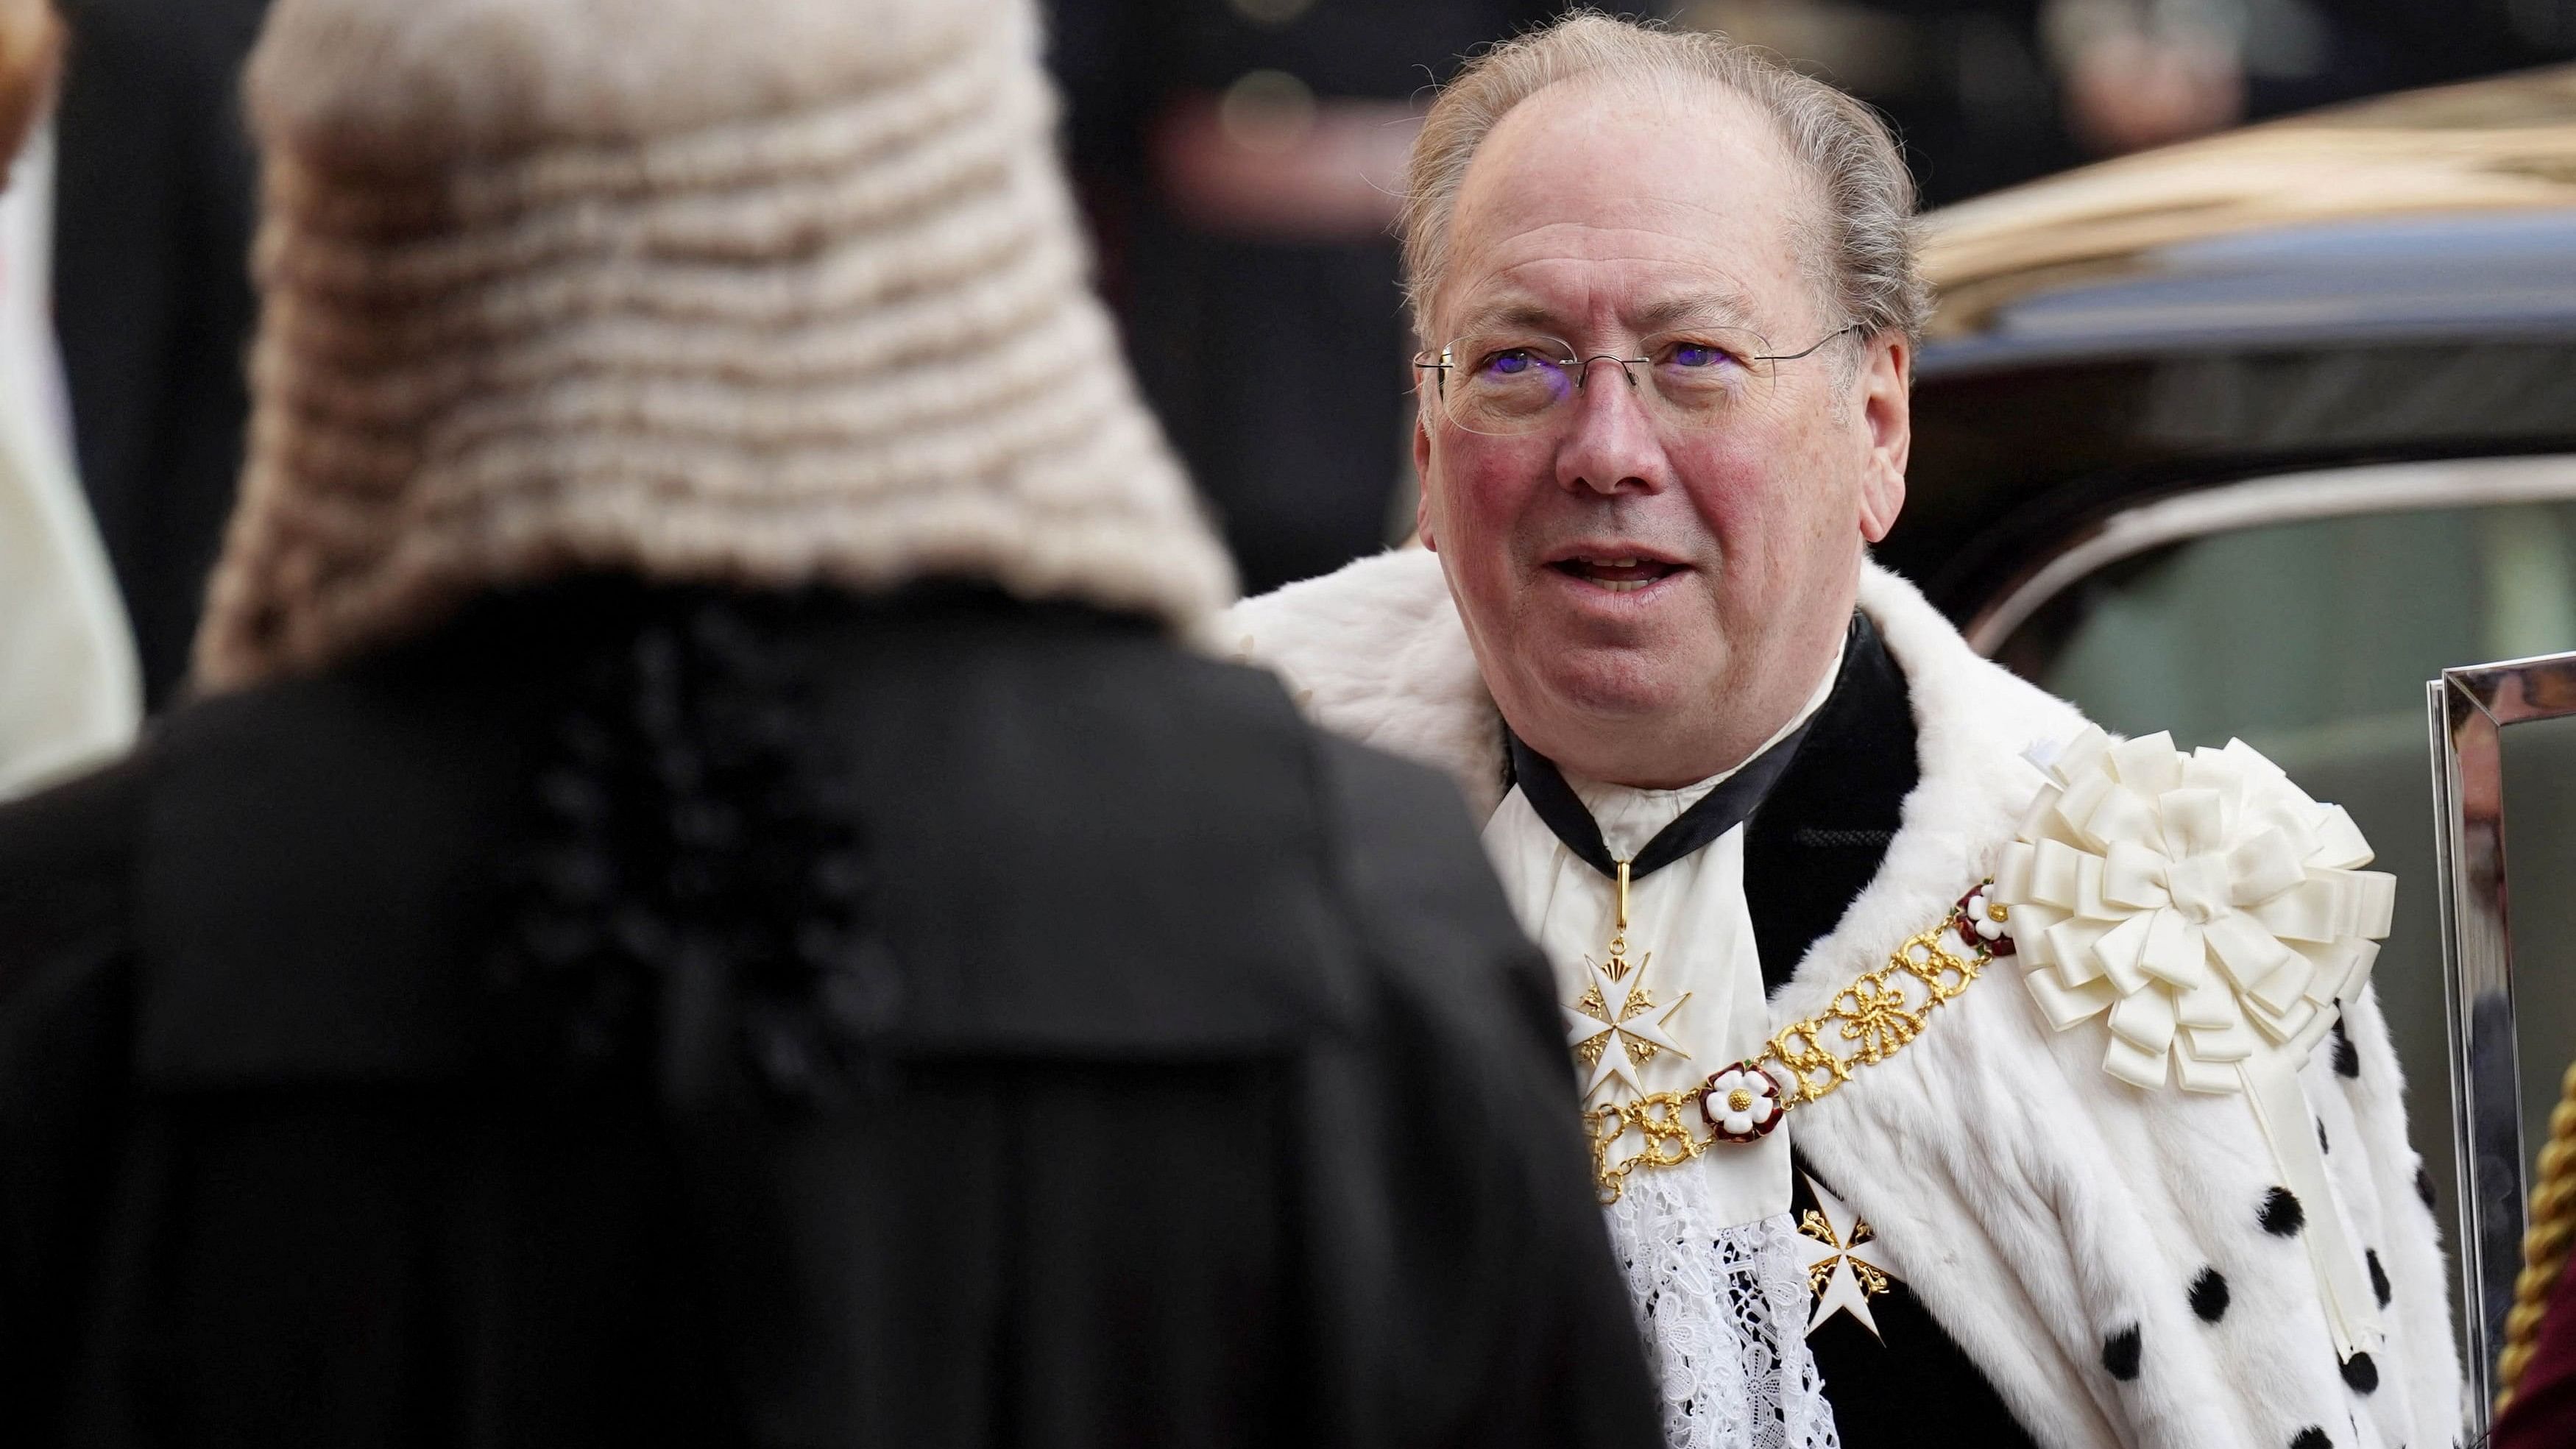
x,y
2200,902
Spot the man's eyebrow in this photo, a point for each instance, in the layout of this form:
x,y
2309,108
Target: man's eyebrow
x,y
1708,309
1726,308
1516,313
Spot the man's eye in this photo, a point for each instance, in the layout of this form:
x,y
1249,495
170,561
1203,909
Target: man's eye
x,y
1511,364
1699,354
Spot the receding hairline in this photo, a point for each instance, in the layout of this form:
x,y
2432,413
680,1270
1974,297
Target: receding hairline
x,y
1671,80
1858,245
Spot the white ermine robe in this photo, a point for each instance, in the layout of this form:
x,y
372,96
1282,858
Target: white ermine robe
x,y
2038,1207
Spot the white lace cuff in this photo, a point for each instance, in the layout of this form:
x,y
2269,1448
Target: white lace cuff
x,y
1724,1313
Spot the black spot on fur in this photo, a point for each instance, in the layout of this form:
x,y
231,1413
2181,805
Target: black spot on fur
x,y
2347,1060
2311,1437
2282,1216
2322,1145
2360,1373
2378,1276
2209,1295
2424,1186
2120,1353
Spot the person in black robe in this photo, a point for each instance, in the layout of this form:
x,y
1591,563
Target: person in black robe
x,y
700,899
154,186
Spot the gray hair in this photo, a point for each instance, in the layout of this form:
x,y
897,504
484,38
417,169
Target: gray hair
x,y
1861,247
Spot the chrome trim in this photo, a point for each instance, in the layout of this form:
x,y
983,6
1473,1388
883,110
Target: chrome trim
x,y
2291,498
2467,712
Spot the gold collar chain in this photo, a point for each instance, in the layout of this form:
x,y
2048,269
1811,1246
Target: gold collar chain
x,y
1877,1016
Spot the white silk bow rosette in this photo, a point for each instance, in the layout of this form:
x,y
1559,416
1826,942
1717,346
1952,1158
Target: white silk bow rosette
x,y
2216,918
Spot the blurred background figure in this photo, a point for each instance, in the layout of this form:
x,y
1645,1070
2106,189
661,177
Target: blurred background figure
x,y
1233,157
1989,93
67,671
152,220
700,898
1242,160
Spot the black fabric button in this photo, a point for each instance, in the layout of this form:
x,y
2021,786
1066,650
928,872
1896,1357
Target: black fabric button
x,y
2347,1060
2282,1216
2311,1437
2424,1186
2209,1295
2360,1373
2120,1353
2378,1276
864,989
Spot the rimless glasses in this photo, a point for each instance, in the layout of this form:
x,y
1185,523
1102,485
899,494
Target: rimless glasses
x,y
1518,383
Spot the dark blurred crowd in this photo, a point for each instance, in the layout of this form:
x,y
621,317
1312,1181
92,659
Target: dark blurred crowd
x,y
1239,160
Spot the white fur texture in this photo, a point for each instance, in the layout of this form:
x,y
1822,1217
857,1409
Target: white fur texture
x,y
2037,1206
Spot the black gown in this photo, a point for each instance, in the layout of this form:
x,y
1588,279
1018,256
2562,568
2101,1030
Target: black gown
x,y
1178,1077
1816,841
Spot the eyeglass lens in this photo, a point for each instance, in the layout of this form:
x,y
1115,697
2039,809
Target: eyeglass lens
x,y
1515,384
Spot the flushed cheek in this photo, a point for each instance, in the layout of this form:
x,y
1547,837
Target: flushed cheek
x,y
1741,496
1477,519
1764,491
1487,483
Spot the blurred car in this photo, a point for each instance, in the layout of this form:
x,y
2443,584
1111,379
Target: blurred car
x,y
2253,436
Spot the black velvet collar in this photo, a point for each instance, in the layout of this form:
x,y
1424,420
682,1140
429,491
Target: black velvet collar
x,y
1712,815
1823,830
1821,814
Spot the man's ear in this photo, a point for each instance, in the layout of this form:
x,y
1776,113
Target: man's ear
x,y
1887,412
1422,482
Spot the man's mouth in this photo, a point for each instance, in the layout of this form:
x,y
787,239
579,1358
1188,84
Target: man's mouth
x,y
1619,575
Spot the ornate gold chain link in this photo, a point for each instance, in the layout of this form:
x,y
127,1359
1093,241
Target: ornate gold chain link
x,y
1875,1014
1878,1015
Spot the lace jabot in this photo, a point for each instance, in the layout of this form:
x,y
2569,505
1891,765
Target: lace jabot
x,y
1724,1313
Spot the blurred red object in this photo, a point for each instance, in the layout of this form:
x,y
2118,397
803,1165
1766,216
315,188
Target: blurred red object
x,y
1267,159
2542,1414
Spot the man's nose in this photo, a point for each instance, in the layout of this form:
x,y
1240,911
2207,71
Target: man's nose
x,y
1610,446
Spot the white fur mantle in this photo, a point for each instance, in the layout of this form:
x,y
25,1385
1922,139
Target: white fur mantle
x,y
2037,1206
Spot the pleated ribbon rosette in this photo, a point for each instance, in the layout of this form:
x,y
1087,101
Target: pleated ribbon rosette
x,y
2215,918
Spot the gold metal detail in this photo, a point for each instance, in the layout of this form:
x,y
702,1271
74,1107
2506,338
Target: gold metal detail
x,y
1878,1015
1814,1224
1617,966
2545,1244
1662,1118
1871,1020
1641,1046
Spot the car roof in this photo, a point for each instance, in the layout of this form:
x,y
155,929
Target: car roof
x,y
2452,208
2388,281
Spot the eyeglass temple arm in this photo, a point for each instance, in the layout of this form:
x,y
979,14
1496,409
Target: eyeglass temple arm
x,y
1819,342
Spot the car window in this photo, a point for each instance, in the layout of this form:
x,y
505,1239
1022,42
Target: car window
x,y
2312,641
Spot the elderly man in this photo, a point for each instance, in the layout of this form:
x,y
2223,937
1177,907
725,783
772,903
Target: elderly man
x,y
1953,1072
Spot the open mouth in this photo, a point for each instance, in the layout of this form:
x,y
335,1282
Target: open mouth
x,y
1618,575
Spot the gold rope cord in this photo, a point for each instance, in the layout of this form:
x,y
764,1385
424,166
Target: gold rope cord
x,y
2550,1231
1878,1015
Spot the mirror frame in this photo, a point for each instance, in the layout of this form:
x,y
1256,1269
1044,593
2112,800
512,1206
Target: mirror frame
x,y
2467,710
